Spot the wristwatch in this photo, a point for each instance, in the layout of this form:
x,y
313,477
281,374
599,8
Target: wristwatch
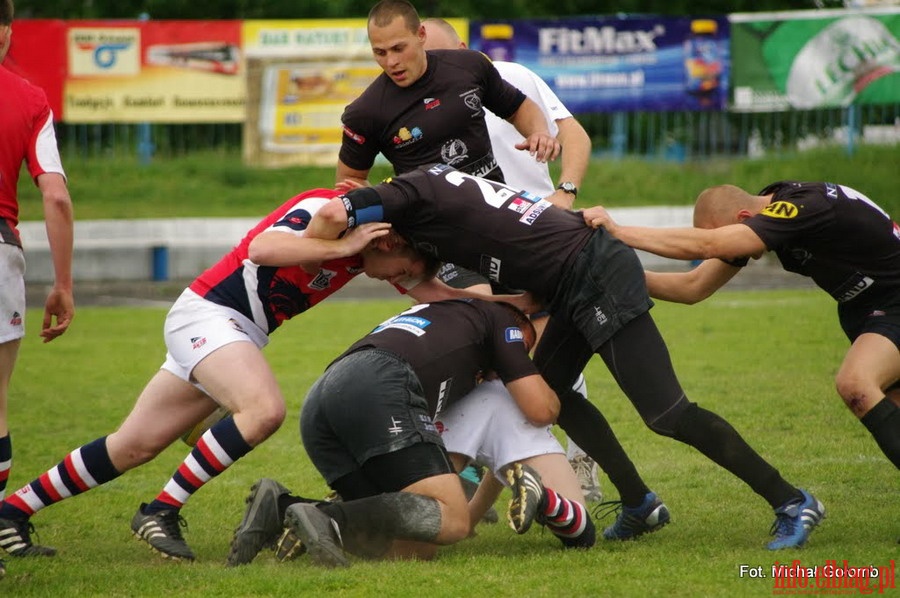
x,y
568,188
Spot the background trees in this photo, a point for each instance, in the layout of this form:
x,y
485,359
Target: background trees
x,y
308,9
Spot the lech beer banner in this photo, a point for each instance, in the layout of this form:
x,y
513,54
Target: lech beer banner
x,y
604,64
815,59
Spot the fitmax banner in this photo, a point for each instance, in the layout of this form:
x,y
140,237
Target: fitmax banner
x,y
606,64
815,59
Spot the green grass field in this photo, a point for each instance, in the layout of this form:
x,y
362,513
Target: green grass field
x,y
764,360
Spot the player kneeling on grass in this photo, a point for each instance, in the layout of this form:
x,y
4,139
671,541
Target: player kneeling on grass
x,y
214,335
367,425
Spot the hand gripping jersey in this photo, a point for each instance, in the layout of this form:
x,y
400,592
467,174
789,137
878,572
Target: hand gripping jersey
x,y
269,295
439,118
837,236
451,345
512,237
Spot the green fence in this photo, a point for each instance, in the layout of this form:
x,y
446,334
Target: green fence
x,y
654,135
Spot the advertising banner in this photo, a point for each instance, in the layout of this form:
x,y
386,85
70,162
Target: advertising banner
x,y
301,76
815,59
148,71
38,53
604,64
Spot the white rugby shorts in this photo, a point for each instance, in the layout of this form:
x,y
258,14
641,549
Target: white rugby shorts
x,y
195,327
487,426
12,293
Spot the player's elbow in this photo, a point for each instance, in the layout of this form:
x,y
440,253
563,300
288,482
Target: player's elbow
x,y
544,412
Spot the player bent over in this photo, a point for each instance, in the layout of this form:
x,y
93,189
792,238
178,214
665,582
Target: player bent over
x,y
214,334
367,425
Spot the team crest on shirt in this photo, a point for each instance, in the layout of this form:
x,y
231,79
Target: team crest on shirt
x,y
473,101
521,205
454,152
431,103
322,280
406,136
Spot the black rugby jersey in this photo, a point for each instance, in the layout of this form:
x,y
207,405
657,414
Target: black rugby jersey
x,y
439,118
834,234
450,345
512,237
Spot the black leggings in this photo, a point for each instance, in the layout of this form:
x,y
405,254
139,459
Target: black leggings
x,y
636,356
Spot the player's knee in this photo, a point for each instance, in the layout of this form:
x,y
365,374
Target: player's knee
x,y
455,526
666,424
262,421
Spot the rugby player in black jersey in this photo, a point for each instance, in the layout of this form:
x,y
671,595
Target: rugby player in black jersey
x,y
831,233
593,286
429,106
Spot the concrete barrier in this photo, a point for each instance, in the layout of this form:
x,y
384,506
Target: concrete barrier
x,y
181,248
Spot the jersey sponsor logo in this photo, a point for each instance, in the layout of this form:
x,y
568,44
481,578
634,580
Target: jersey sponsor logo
x,y
896,230
831,191
443,392
322,280
197,342
781,209
601,317
16,319
536,210
353,135
295,219
412,324
454,151
520,205
490,267
427,424
406,136
431,103
514,334
437,169
354,270
351,211
852,288
473,101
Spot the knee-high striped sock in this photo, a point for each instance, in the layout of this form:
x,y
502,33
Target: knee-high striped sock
x,y
84,468
568,520
5,462
217,449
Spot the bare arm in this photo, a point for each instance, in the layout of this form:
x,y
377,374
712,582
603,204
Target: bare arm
x,y
355,177
58,217
535,399
692,286
488,491
529,121
576,154
329,222
275,248
729,242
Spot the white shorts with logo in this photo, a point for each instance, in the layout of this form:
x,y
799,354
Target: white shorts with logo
x,y
12,293
487,426
196,327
